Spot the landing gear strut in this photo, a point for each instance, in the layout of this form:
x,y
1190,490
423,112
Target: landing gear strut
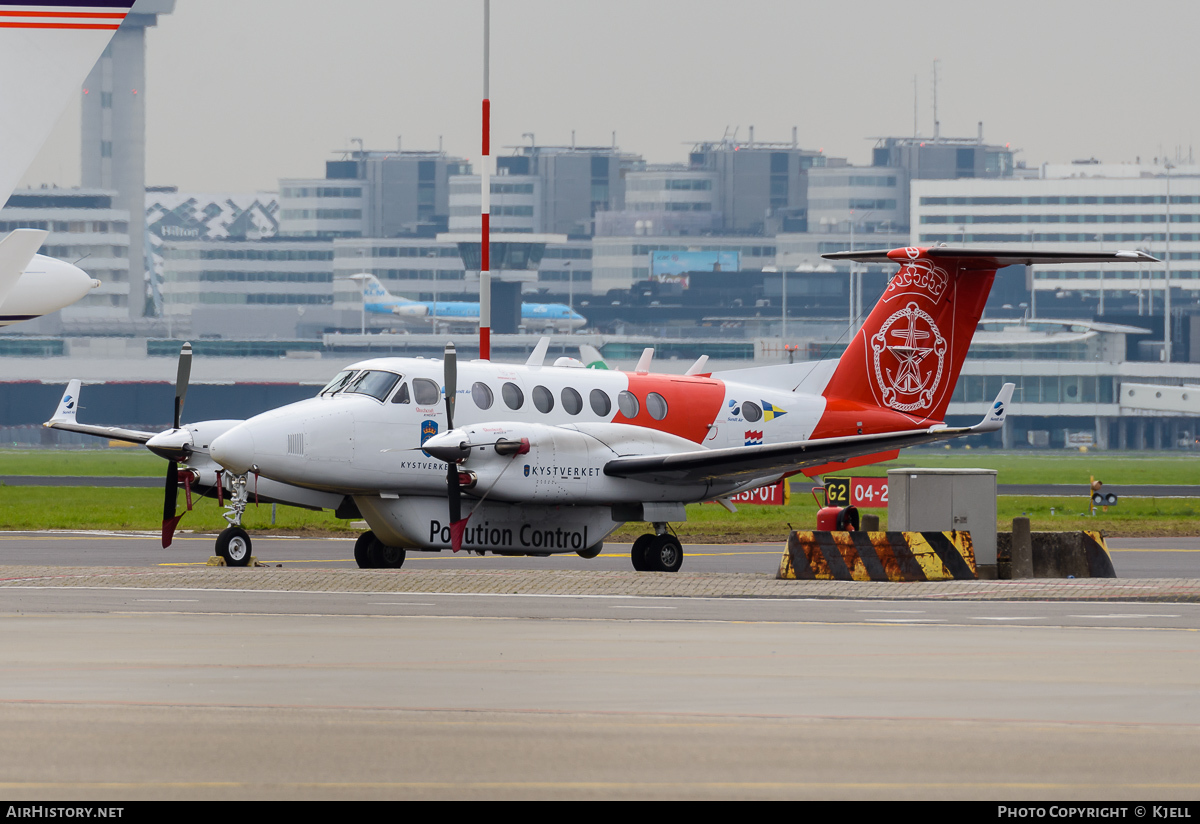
x,y
233,544
661,552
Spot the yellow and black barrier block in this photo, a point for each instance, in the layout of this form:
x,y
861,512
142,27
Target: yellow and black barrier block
x,y
878,556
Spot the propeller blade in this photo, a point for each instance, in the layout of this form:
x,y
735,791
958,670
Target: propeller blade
x,y
170,498
451,363
454,493
181,379
453,489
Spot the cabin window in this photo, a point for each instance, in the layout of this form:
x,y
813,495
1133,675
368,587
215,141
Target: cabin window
x,y
338,382
482,395
514,398
656,405
601,403
751,412
425,392
376,384
543,399
401,395
571,401
628,404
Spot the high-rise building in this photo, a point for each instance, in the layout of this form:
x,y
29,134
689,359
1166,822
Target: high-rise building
x,y
516,204
372,194
757,182
868,198
576,183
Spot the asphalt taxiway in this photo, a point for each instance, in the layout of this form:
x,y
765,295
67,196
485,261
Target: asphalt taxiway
x,y
149,675
1177,557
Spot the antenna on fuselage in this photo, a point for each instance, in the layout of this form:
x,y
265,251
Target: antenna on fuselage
x,y
643,364
697,367
538,356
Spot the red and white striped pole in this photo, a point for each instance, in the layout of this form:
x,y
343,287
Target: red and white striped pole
x,y
485,274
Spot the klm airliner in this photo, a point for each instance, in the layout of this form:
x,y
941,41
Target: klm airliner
x,y
535,317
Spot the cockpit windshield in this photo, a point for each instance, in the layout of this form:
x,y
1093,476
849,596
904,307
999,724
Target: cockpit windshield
x,y
373,383
339,382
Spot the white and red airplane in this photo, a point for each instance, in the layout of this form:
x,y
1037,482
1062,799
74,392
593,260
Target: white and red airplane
x,y
46,51
535,459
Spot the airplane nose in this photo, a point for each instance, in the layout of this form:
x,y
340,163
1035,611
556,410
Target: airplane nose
x,y
234,450
70,282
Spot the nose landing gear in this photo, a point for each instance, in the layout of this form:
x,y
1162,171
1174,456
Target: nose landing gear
x,y
233,544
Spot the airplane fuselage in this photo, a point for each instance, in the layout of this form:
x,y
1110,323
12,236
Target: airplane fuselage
x,y
364,441
362,437
349,440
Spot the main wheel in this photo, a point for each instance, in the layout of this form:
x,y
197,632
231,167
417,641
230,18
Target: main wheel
x,y
664,554
590,552
233,544
385,557
638,553
362,550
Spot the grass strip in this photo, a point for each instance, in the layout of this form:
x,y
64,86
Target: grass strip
x,y
39,508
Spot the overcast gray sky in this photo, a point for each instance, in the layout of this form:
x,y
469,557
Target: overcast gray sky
x,y
243,92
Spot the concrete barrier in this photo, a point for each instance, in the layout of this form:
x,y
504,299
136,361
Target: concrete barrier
x,y
1056,555
878,556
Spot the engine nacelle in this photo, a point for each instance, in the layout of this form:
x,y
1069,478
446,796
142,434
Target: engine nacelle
x,y
535,463
558,466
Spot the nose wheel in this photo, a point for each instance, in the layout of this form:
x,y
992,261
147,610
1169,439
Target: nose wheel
x,y
233,544
657,553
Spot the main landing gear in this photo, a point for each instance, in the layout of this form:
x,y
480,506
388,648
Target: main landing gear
x,y
372,553
660,552
233,544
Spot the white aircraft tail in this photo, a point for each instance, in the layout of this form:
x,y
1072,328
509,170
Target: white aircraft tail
x,y
374,291
16,253
46,52
591,357
68,407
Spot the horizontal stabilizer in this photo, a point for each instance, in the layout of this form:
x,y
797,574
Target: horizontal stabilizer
x,y
992,258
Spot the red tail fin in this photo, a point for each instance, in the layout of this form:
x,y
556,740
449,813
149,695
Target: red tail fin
x,y
908,354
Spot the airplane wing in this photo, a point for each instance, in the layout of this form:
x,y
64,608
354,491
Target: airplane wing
x,y
68,407
747,462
